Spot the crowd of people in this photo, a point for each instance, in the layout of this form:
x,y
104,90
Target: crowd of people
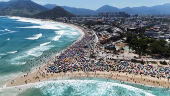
x,y
77,58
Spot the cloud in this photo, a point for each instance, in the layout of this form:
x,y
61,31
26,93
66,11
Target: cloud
x,y
123,2
162,3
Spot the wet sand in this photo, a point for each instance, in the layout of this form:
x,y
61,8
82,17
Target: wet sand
x,y
40,76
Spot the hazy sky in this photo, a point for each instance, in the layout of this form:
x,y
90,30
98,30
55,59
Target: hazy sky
x,y
95,4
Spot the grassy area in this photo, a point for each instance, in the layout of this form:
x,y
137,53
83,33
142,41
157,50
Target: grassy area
x,y
153,62
163,62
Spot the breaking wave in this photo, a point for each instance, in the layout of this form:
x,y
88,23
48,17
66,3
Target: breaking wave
x,y
84,88
45,43
8,32
12,52
35,37
7,39
59,34
1,54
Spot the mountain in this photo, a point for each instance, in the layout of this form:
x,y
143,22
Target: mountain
x,y
22,8
128,10
50,6
28,8
145,10
159,9
54,13
78,11
162,9
107,8
6,4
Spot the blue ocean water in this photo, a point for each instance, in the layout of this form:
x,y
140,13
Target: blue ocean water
x,y
27,43
85,87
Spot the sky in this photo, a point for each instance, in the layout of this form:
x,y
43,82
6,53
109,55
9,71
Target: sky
x,y
95,4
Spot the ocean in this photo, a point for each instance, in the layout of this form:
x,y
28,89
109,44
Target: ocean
x,y
84,87
26,44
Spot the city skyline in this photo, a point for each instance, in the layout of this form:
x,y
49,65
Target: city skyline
x,y
95,4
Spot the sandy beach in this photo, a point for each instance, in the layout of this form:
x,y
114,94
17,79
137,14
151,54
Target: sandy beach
x,y
41,73
138,79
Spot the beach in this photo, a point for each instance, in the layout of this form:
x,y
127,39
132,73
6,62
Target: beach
x,y
124,77
74,62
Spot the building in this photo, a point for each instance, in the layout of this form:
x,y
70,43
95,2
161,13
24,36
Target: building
x,y
113,14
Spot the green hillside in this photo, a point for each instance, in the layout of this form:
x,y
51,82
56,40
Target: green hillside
x,y
24,8
54,13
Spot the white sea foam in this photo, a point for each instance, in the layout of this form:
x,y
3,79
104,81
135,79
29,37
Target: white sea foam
x,y
5,30
59,34
19,63
6,77
2,54
71,33
38,51
35,37
26,20
14,90
101,87
8,32
7,39
80,87
12,52
32,58
45,43
41,24
56,38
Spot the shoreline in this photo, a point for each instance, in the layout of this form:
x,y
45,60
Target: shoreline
x,y
33,70
115,75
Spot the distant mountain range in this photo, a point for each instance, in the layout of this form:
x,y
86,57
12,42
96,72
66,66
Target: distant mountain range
x,y
50,6
77,11
56,12
159,9
28,8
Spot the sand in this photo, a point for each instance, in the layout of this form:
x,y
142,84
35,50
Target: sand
x,y
139,79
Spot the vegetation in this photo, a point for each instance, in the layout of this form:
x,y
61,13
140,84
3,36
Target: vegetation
x,y
54,13
163,62
24,8
153,62
133,60
92,56
145,46
137,61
